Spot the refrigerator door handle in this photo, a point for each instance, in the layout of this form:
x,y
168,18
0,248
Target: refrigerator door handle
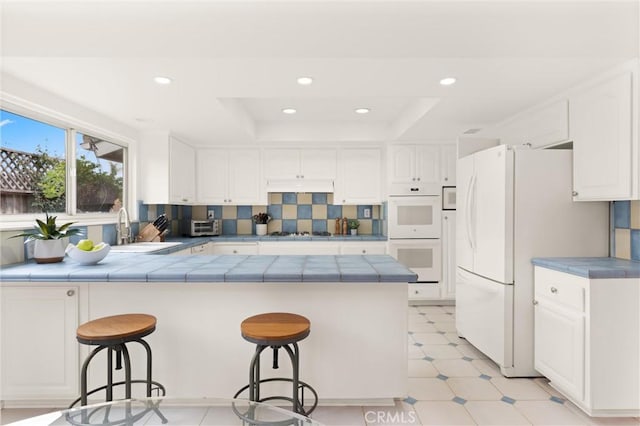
x,y
472,212
469,211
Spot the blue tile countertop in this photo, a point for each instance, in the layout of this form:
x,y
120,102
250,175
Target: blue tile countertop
x,y
250,238
591,267
128,267
188,242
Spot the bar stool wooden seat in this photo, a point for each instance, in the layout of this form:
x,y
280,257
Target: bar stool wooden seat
x,y
113,333
277,330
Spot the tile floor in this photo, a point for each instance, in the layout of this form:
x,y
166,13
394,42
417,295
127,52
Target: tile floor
x,y
450,383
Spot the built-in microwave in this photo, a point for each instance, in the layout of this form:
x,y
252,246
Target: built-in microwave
x,y
414,217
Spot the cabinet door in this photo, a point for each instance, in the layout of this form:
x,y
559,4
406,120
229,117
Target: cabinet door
x,y
559,346
244,178
318,163
545,126
448,255
448,158
403,164
428,164
182,175
212,170
600,120
360,176
39,348
281,164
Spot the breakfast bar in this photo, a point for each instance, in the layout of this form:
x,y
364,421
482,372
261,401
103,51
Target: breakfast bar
x,y
356,352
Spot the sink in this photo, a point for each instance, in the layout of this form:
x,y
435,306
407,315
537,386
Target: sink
x,y
145,247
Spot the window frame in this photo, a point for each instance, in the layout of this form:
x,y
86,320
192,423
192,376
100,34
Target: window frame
x,y
72,126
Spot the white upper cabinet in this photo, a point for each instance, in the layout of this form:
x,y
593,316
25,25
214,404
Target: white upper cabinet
x,y
230,176
286,164
167,169
182,187
605,153
415,164
245,180
359,176
543,126
213,174
448,158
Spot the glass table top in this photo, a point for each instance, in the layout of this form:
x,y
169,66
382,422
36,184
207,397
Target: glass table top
x,y
158,411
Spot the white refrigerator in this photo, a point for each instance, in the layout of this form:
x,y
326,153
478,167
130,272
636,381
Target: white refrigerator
x,y
515,204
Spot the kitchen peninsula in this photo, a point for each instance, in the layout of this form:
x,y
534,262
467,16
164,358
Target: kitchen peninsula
x,y
356,352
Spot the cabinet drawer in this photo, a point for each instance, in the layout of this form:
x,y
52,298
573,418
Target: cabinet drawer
x,y
224,249
559,287
351,248
200,249
424,291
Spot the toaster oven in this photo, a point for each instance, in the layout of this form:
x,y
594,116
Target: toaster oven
x,y
204,228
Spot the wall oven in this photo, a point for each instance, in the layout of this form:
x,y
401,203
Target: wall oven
x,y
422,256
414,217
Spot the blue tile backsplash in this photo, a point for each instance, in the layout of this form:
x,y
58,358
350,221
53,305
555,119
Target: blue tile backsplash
x,y
625,232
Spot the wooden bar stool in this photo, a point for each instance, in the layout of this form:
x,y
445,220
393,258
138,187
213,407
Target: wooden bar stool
x,y
277,330
113,333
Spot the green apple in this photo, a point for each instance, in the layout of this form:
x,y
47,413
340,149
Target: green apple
x,y
85,245
98,246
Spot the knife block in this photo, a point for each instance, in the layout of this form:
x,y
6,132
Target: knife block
x,y
149,233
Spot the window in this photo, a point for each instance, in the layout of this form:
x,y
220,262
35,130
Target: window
x,y
36,176
99,174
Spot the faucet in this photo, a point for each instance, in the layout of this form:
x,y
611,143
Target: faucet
x,y
123,237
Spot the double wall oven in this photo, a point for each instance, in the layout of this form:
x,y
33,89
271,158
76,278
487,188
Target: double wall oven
x,y
414,228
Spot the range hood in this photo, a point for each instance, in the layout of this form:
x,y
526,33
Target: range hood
x,y
300,185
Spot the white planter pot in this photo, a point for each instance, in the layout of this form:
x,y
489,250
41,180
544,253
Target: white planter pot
x,y
261,229
49,251
354,232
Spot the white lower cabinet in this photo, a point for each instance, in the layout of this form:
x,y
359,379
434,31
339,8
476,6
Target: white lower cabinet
x,y
559,352
587,340
39,351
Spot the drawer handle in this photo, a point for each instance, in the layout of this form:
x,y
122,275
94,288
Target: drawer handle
x,y
554,290
70,293
235,251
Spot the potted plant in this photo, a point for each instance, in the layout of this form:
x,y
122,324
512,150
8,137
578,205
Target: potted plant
x,y
261,220
49,245
353,225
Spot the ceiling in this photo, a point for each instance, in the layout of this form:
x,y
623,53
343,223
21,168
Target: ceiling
x,y
234,64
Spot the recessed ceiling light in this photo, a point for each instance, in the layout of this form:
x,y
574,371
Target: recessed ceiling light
x,y
448,81
362,110
289,111
162,80
305,81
